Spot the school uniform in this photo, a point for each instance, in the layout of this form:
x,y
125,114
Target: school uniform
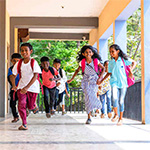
x,y
90,87
118,80
26,75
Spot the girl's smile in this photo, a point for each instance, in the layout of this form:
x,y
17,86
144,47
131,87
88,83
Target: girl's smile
x,y
114,53
88,54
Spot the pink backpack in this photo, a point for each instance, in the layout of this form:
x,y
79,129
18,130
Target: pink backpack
x,y
96,67
130,81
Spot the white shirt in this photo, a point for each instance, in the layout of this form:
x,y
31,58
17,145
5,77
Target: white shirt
x,y
62,81
26,75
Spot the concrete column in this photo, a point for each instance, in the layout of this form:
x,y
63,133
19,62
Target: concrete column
x,y
95,45
120,34
2,56
103,49
145,60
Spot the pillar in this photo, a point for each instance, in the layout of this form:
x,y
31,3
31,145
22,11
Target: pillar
x,y
145,61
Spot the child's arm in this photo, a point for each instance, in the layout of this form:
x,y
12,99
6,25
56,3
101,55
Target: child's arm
x,y
24,90
12,79
76,72
66,91
106,76
55,79
133,65
103,70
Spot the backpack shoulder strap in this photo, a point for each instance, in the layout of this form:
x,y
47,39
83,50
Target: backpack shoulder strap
x,y
52,70
95,60
19,67
60,72
32,63
83,65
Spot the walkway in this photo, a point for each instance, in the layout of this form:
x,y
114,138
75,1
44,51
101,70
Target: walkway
x,y
70,133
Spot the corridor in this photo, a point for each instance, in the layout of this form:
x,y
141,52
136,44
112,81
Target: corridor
x,y
69,132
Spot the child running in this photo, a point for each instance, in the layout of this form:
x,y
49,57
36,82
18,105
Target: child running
x,y
60,86
89,60
13,99
118,79
104,93
28,87
49,79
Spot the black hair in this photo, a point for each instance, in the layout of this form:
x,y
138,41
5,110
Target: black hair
x,y
28,45
121,53
44,58
15,55
83,49
56,60
105,62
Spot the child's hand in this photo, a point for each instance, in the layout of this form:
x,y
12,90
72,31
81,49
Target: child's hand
x,y
14,88
24,90
98,81
130,75
68,95
58,84
99,87
51,79
69,81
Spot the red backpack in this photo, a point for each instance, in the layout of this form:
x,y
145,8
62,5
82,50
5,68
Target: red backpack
x,y
96,67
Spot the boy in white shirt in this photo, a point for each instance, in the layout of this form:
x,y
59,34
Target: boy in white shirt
x,y
28,87
60,86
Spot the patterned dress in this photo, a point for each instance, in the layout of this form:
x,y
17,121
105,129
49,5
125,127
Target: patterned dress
x,y
90,88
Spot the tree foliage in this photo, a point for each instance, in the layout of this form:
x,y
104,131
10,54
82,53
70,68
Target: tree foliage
x,y
66,51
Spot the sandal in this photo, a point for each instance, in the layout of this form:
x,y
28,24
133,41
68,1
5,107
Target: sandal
x,y
120,121
35,110
15,120
115,118
23,127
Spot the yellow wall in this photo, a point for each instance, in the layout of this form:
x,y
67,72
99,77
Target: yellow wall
x,y
109,14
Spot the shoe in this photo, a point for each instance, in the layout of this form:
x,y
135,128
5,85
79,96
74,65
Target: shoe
x,y
52,112
48,115
115,118
102,115
120,122
23,127
88,121
63,112
35,110
27,112
109,115
15,120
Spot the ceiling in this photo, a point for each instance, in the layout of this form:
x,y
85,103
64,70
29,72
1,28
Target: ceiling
x,y
56,8
53,8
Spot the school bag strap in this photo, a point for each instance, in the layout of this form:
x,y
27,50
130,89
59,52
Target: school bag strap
x,y
51,70
95,60
19,67
83,65
20,63
60,72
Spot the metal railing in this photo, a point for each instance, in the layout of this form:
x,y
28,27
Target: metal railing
x,y
73,104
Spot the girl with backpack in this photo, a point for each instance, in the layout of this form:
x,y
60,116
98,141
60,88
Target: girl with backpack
x,y
118,79
89,62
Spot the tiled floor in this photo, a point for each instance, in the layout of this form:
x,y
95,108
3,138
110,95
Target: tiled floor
x,y
69,132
